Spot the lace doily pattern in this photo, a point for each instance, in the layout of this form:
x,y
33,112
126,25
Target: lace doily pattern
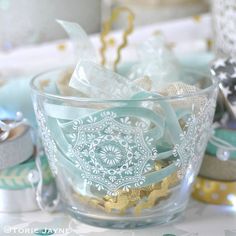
x,y
193,139
111,152
48,142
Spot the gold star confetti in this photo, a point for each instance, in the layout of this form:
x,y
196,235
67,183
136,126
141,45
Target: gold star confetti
x,y
197,18
61,47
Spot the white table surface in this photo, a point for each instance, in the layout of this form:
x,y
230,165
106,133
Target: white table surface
x,y
188,35
198,220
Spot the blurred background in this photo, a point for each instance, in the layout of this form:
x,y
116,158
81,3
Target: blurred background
x,y
24,22
28,22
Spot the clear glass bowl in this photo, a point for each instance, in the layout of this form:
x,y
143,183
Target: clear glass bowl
x,y
125,163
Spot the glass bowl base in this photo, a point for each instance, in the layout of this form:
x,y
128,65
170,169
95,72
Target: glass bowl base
x,y
127,222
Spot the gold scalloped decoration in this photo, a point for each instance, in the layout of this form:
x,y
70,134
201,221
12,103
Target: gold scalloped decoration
x,y
136,199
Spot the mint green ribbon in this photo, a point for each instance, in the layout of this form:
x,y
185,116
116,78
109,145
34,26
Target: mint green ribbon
x,y
61,117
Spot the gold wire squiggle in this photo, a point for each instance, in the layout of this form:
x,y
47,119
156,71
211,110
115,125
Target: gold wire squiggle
x,y
107,28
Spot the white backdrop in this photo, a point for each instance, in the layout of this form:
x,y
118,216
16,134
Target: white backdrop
x,y
32,21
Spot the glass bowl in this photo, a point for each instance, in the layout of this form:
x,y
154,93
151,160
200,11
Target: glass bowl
x,y
125,163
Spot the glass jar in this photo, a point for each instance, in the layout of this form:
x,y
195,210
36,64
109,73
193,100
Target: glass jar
x,y
224,23
125,163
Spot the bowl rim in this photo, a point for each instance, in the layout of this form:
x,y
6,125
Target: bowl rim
x,y
215,82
